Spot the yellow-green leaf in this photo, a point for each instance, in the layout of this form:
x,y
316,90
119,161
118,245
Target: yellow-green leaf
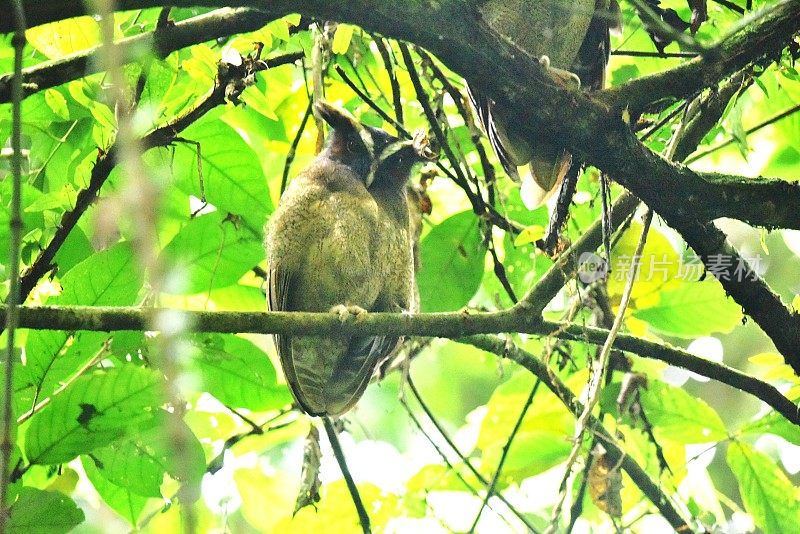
x,y
768,494
529,235
342,37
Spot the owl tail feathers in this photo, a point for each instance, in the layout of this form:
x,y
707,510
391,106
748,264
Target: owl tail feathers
x,y
543,175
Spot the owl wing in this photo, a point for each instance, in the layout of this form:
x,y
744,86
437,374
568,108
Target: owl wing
x,y
355,369
589,65
279,281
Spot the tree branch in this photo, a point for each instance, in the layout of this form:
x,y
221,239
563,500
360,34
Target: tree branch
x,y
591,126
650,489
447,325
161,42
162,136
759,37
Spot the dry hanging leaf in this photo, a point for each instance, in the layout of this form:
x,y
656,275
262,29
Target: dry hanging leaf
x,y
605,483
310,483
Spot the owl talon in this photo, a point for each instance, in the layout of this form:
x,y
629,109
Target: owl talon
x,y
348,312
568,79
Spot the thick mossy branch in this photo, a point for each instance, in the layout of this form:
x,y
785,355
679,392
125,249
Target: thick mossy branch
x,y
590,126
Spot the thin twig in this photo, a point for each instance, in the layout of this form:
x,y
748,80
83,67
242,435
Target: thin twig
x,y
422,97
504,453
293,148
363,517
656,55
383,49
772,120
478,206
600,365
14,298
464,459
91,362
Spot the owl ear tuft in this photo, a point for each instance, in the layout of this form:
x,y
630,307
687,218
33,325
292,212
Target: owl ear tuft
x,y
338,118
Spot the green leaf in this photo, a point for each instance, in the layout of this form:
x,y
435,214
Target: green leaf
x,y
679,416
75,249
768,494
232,175
342,37
434,477
210,252
531,453
58,39
43,512
139,462
776,424
111,277
451,258
543,438
693,309
56,101
530,234
121,500
239,374
92,412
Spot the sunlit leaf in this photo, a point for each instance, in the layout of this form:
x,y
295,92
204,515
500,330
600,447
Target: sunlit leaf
x,y
768,494
679,416
93,411
451,252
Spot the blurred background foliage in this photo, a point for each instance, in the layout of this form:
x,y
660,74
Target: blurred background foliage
x,y
732,463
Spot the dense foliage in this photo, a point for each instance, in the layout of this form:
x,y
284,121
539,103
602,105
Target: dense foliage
x,y
131,429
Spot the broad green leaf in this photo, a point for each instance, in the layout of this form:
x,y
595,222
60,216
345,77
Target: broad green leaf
x,y
679,416
531,453
43,512
335,512
139,461
659,266
768,494
693,309
543,438
210,252
279,489
232,177
57,103
75,249
121,500
92,412
111,277
774,423
434,477
239,374
530,234
58,39
30,195
546,413
451,258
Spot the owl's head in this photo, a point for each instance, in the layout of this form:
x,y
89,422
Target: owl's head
x,y
370,152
